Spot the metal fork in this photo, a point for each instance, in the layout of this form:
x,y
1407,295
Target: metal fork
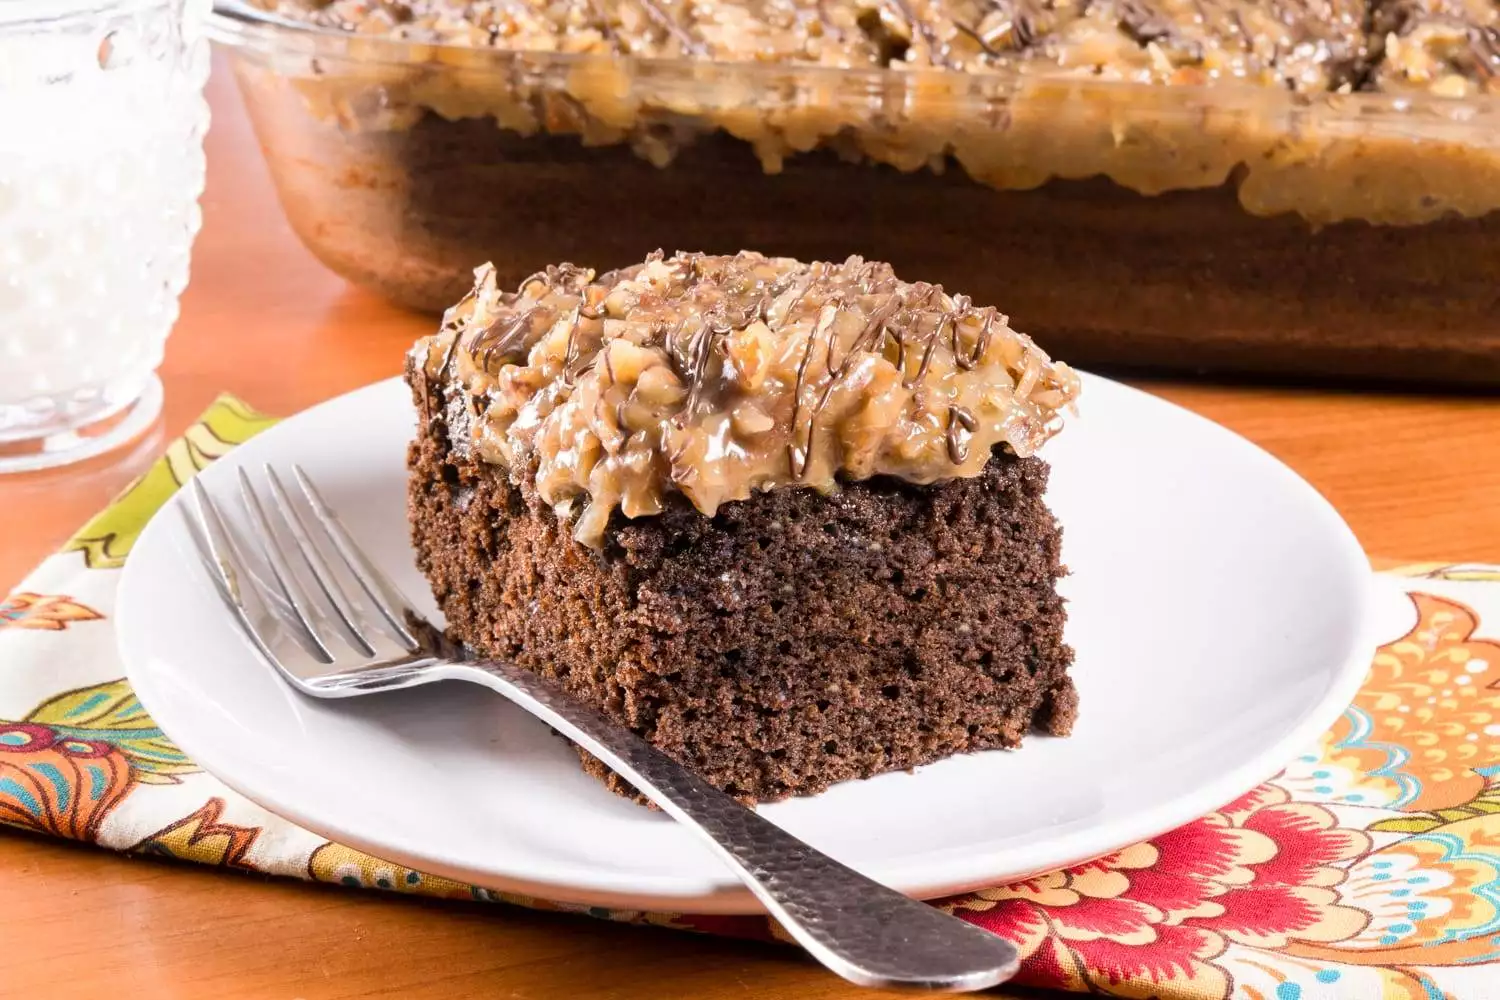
x,y
331,640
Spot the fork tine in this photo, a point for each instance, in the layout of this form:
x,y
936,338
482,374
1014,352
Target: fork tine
x,y
381,591
251,579
248,578
215,544
316,564
312,556
281,570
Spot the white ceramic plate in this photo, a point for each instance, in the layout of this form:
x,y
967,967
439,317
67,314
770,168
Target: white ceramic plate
x,y
1219,609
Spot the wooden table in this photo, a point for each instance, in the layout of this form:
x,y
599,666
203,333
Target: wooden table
x,y
1414,475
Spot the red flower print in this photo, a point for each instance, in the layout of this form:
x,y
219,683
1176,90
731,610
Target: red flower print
x,y
1259,872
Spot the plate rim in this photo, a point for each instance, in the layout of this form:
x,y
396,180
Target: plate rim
x,y
591,886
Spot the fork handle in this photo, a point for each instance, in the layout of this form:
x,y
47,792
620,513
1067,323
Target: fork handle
x,y
858,928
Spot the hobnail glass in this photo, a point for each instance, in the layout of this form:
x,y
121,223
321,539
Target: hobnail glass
x,y
102,120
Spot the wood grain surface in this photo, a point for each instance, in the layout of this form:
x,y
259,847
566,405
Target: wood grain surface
x,y
1415,476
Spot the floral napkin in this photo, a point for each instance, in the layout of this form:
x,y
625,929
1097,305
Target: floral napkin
x,y
1369,868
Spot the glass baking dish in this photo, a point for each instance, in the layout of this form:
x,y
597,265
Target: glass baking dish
x,y
1214,228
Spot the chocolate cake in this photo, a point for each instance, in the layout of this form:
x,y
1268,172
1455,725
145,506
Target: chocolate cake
x,y
1283,187
784,520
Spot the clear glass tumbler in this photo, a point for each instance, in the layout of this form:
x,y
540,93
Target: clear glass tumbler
x,y
102,119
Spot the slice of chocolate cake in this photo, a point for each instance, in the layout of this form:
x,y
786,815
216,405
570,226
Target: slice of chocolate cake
x,y
783,520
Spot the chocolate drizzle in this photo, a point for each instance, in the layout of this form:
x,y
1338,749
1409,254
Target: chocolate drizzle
x,y
541,276
570,356
800,456
447,363
1145,25
1238,22
926,292
981,343
674,460
606,29
1015,30
700,351
896,319
873,333
1484,45
669,24
504,338
941,53
977,37
959,420
609,369
930,341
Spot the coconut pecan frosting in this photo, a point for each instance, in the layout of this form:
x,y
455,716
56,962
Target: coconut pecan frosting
x,y
716,376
